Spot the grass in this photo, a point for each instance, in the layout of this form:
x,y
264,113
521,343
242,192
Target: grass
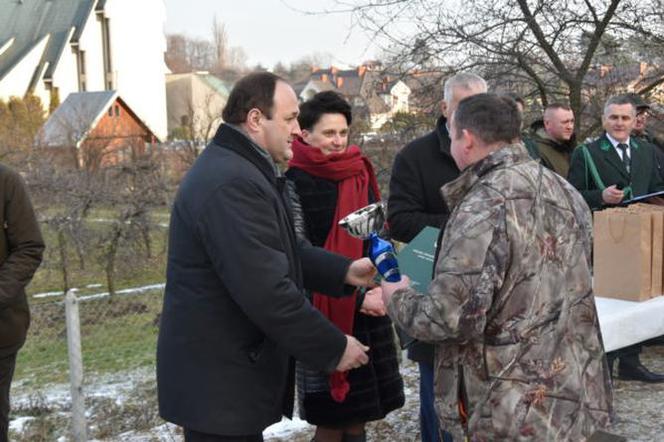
x,y
133,267
117,334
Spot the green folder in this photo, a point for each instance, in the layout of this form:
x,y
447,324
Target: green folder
x,y
416,261
416,258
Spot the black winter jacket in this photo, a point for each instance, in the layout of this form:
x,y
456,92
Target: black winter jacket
x,y
234,312
420,169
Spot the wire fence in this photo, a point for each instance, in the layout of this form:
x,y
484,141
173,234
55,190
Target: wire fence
x,y
87,369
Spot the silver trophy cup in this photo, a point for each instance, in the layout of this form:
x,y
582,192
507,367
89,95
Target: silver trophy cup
x,y
365,223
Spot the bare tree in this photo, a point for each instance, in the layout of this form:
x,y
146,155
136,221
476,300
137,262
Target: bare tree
x,y
133,190
548,48
220,43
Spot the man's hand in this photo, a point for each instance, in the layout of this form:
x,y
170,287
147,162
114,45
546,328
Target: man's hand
x,y
361,273
373,303
612,195
355,355
390,287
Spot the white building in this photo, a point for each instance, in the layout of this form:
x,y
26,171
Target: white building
x,y
52,48
195,103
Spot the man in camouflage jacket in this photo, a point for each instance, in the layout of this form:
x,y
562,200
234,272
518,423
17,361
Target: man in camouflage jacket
x,y
519,354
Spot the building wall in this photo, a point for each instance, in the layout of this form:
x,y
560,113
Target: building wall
x,y
91,44
178,93
65,76
400,93
138,44
208,106
191,97
114,137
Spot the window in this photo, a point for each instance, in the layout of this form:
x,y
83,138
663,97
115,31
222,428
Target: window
x,y
117,110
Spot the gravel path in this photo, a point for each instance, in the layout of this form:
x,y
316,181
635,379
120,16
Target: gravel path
x,y
639,408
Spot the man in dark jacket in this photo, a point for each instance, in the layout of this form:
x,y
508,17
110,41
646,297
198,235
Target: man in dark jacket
x,y
234,312
21,249
420,170
626,168
555,140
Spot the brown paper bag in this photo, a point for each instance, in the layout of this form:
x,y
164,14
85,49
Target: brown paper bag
x,y
657,250
622,254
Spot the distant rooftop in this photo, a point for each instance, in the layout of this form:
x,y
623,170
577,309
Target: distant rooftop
x,y
25,23
71,122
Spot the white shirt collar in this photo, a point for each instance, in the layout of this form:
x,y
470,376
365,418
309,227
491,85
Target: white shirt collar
x,y
615,142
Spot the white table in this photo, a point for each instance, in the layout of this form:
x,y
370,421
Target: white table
x,y
624,323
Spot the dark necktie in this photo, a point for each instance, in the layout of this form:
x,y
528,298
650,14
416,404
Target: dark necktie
x,y
625,158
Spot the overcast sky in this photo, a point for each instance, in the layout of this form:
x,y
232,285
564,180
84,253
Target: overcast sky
x,y
274,30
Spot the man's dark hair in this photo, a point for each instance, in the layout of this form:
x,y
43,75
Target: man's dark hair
x,y
516,97
554,106
255,91
328,102
490,117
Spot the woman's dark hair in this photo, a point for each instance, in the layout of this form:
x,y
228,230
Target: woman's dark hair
x,y
490,117
328,102
255,91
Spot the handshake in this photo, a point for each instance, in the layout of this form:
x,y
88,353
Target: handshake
x,y
361,273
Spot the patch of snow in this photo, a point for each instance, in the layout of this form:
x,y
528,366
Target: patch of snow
x,y
18,423
130,291
51,294
93,286
286,428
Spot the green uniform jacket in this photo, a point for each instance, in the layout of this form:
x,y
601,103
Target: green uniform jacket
x,y
553,154
644,177
21,249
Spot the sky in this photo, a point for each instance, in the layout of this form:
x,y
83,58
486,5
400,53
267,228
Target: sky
x,y
274,30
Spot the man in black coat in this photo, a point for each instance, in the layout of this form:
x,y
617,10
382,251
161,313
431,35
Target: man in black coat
x,y
234,313
420,169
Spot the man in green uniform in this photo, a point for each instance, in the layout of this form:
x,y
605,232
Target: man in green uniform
x,y
613,168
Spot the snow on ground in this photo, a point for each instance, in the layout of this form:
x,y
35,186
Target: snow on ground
x,y
18,423
286,429
129,291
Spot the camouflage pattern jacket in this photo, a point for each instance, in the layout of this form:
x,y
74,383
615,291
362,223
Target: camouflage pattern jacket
x,y
511,307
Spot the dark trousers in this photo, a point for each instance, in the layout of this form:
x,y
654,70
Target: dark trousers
x,y
7,364
429,426
628,356
195,436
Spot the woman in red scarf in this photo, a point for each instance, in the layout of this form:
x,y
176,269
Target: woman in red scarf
x,y
332,180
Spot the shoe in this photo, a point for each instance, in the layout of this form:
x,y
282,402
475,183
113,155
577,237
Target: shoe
x,y
654,341
638,372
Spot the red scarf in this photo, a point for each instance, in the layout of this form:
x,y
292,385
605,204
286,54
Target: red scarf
x,y
355,177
